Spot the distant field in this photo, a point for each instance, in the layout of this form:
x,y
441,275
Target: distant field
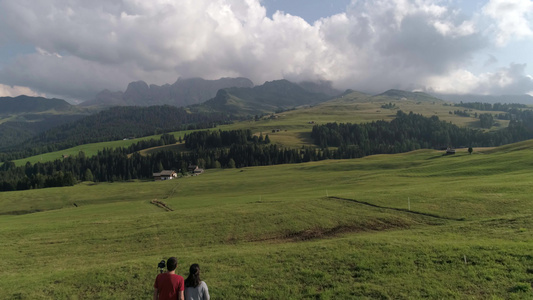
x,y
407,226
176,147
4,119
295,125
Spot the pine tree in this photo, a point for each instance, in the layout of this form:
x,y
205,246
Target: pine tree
x,y
231,163
88,176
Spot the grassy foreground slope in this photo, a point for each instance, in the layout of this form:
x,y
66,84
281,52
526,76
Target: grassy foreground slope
x,y
322,230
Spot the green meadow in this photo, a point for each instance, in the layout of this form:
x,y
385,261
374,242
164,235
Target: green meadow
x,y
406,226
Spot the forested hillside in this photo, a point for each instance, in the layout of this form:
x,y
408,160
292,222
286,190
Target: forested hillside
x,y
27,104
22,117
114,124
23,128
412,131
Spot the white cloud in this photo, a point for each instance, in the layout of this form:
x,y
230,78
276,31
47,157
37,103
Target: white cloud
x,y
86,46
14,91
513,19
504,81
46,53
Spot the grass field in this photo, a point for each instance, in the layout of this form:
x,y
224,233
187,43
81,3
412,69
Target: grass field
x,y
407,226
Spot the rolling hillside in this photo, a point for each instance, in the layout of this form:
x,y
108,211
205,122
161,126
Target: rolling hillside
x,y
295,125
438,226
270,97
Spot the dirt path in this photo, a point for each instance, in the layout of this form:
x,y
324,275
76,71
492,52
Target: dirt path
x,y
161,204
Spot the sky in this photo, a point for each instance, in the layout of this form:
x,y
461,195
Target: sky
x,y
74,49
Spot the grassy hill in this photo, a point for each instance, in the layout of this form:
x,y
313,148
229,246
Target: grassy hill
x,y
355,107
296,125
406,226
270,97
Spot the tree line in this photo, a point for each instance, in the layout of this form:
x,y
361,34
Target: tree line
x,y
126,163
218,138
70,170
486,120
412,131
209,149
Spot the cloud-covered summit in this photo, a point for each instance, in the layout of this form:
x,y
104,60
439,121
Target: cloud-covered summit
x,y
83,47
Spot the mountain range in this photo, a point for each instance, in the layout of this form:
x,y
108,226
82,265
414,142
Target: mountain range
x,y
186,92
204,101
183,92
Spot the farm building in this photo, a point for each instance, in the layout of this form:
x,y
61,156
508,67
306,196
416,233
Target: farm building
x,y
195,169
165,175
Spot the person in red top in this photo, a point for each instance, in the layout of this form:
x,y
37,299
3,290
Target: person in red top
x,y
169,285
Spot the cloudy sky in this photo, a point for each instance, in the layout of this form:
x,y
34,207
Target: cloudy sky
x,y
73,49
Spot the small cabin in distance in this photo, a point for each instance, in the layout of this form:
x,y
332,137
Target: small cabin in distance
x,y
165,175
195,169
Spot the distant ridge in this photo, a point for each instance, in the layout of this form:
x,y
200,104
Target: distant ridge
x,y
24,116
522,99
27,104
117,123
270,97
417,96
181,93
321,87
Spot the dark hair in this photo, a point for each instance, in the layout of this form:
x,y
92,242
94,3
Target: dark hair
x,y
172,263
194,276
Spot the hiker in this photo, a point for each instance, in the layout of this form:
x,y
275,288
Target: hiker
x,y
195,288
169,285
